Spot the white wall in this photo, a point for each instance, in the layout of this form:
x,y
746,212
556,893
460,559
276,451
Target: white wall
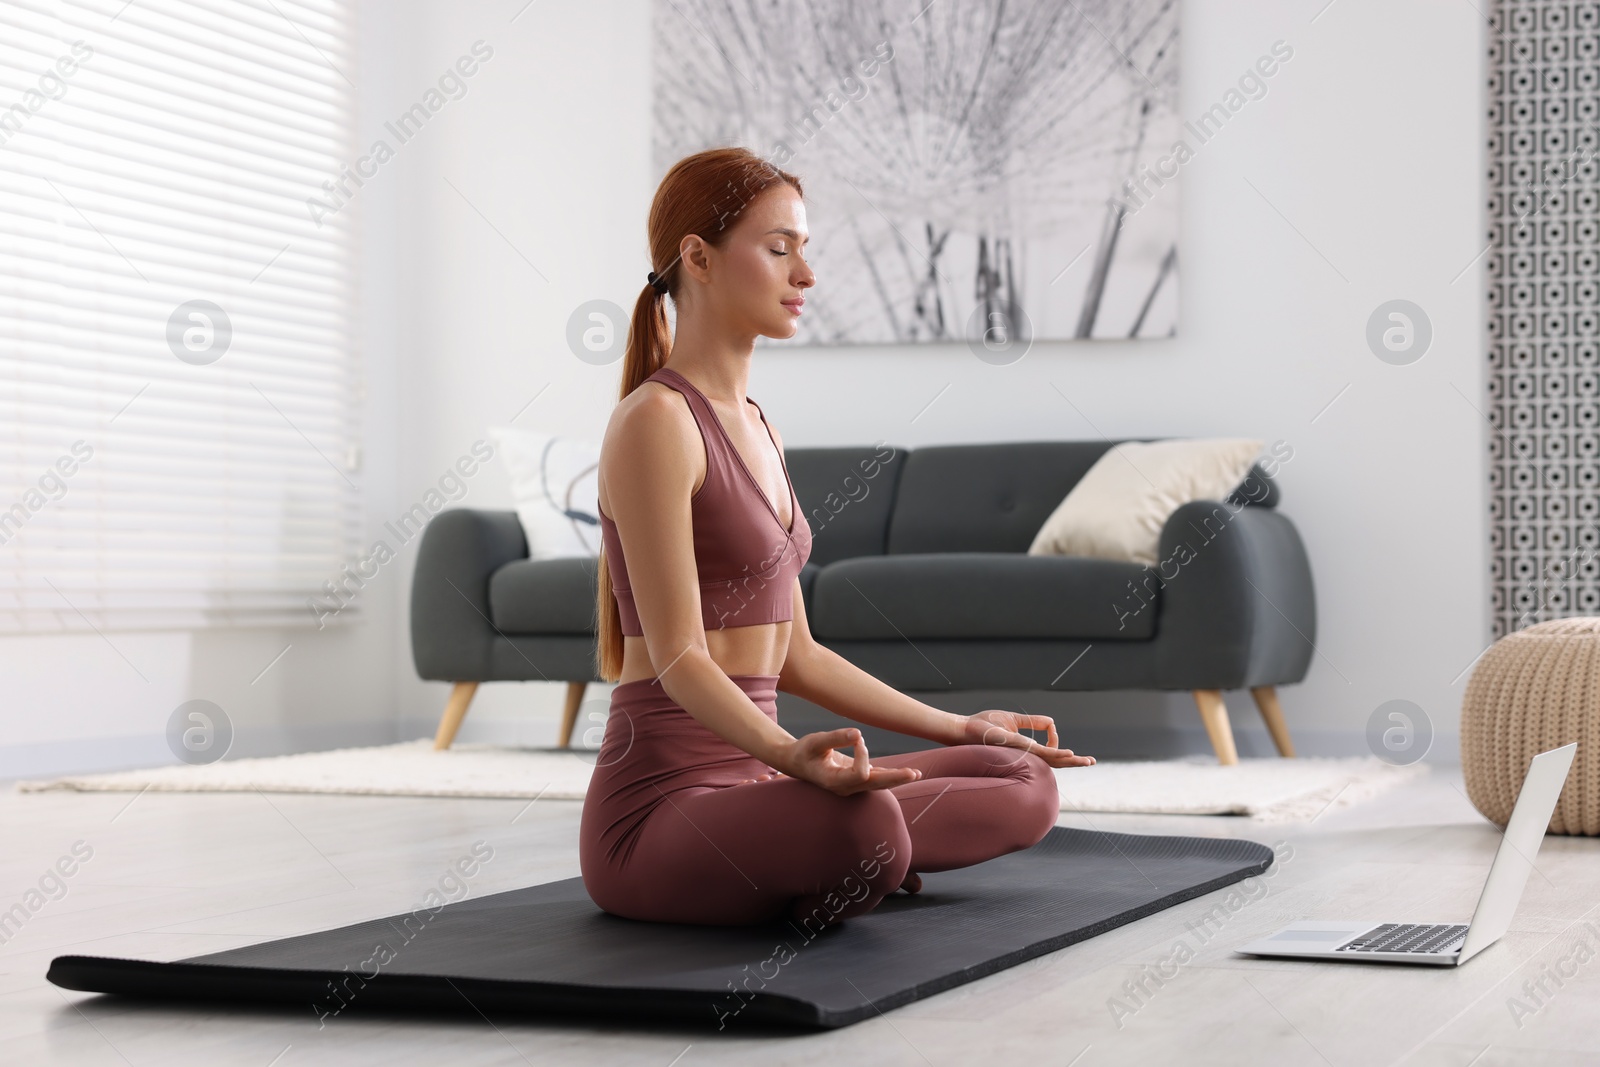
x,y
530,198
1354,181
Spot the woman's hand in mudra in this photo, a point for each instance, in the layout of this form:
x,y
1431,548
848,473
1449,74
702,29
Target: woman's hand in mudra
x,y
998,727
813,759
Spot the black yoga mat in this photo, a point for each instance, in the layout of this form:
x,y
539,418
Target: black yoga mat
x,y
548,950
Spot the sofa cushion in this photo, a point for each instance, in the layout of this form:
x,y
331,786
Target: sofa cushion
x,y
1259,489
808,585
995,497
984,497
544,596
981,595
846,495
555,484
1117,510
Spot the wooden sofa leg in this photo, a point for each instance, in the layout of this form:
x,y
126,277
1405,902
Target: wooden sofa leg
x,y
569,714
1272,713
1214,713
454,711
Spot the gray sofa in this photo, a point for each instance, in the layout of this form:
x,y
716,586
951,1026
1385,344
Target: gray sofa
x,y
919,574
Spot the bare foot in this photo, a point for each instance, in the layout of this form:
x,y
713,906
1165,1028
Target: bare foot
x,y
913,882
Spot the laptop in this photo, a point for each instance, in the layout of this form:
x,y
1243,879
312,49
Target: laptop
x,y
1443,944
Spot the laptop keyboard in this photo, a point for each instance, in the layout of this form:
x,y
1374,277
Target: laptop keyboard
x,y
1409,937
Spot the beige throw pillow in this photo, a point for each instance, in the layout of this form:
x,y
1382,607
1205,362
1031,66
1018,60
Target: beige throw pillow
x,y
1117,510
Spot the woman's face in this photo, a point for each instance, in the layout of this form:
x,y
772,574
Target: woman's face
x,y
760,275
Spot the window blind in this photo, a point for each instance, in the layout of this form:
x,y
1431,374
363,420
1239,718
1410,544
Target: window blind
x,y
178,382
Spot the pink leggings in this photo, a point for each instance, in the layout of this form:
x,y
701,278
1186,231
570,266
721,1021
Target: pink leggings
x,y
668,834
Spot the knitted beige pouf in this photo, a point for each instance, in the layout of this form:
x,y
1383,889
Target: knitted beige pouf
x,y
1533,690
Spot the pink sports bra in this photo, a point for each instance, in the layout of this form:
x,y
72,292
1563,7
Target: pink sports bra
x,y
747,561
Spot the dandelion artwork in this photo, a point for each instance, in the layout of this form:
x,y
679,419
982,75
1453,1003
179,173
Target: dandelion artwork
x,y
974,171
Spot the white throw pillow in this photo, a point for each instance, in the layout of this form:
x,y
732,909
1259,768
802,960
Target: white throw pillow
x,y
1117,510
555,486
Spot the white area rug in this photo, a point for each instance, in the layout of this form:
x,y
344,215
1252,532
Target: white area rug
x,y
1266,789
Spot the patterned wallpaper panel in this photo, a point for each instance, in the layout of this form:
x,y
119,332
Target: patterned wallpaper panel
x,y
1543,277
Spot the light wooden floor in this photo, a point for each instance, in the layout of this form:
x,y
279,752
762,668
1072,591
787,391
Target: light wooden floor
x,y
174,876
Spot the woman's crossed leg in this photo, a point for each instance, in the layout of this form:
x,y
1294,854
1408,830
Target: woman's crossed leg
x,y
785,848
973,803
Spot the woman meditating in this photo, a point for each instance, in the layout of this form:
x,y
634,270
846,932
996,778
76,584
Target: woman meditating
x,y
702,808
